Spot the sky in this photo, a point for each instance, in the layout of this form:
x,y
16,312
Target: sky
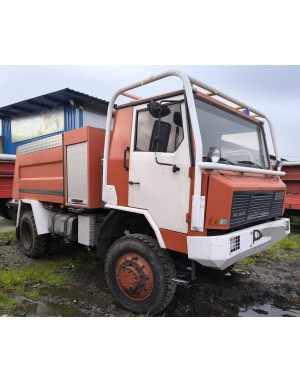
x,y
272,89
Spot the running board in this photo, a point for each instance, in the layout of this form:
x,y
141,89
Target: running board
x,y
187,276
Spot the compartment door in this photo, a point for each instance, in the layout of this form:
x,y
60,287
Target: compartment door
x,y
77,174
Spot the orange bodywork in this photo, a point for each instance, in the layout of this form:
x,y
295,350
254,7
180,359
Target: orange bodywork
x,y
218,188
120,140
223,184
292,181
40,175
6,178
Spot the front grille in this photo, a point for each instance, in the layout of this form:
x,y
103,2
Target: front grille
x,y
249,206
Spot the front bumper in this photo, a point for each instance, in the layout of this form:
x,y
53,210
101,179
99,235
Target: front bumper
x,y
220,252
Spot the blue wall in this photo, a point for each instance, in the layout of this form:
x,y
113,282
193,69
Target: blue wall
x,y
73,119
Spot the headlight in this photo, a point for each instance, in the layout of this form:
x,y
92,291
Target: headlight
x,y
213,155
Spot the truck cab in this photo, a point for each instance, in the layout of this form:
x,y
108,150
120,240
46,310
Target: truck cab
x,y
209,187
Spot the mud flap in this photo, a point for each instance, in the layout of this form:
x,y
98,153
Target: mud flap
x,y
111,229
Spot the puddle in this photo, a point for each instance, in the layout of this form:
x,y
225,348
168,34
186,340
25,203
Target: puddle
x,y
73,292
66,295
54,310
268,310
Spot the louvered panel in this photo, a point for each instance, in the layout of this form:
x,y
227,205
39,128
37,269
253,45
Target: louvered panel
x,y
77,173
248,206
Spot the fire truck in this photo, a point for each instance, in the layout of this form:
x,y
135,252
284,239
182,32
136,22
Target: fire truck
x,y
172,181
292,181
7,166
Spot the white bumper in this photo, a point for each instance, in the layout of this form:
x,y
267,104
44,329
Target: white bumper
x,y
222,251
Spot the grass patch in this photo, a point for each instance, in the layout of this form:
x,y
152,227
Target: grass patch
x,y
33,281
295,219
27,282
249,260
289,243
7,303
287,249
7,238
19,279
76,258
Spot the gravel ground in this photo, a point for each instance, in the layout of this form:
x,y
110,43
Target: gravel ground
x,y
266,287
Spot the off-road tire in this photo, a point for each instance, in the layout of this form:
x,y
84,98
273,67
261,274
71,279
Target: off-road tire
x,y
129,258
32,244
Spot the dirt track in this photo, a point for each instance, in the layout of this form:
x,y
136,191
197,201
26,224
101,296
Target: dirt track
x,y
74,286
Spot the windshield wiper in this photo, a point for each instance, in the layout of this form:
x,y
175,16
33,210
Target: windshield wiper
x,y
227,160
223,160
249,162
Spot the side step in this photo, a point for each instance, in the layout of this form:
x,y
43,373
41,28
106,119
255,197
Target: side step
x,y
187,276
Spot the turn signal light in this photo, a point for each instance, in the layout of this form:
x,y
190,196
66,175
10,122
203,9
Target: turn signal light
x,y
218,221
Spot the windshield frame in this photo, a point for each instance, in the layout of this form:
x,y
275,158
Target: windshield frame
x,y
220,105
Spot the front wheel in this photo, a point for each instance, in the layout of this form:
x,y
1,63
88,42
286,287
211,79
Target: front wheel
x,y
139,274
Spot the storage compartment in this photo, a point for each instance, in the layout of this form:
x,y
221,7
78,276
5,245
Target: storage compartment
x,y
77,170
83,150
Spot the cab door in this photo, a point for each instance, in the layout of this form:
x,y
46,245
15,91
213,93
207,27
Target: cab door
x,y
159,163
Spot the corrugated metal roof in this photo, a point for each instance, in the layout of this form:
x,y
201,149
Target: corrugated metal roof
x,y
51,100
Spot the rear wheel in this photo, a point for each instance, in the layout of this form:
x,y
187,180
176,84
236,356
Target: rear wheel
x,y
139,274
32,244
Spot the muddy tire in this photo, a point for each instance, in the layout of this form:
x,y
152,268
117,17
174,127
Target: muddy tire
x,y
139,274
32,244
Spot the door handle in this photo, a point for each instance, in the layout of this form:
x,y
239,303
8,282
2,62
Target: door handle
x,y
132,183
125,158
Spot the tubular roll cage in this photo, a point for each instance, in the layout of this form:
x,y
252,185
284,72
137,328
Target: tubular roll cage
x,y
198,203
295,163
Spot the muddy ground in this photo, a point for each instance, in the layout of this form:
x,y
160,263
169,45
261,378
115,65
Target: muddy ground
x,y
71,283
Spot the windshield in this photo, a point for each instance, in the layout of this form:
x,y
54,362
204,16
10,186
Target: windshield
x,y
240,140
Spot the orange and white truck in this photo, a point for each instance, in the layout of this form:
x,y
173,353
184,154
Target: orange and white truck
x,y
171,181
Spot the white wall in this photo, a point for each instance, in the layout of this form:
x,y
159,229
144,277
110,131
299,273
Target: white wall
x,y
94,119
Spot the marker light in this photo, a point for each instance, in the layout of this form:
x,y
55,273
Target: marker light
x,y
218,221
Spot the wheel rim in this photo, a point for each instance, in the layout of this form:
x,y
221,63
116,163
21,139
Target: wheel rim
x,y
26,235
134,276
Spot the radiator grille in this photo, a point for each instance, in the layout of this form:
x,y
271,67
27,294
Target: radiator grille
x,y
252,206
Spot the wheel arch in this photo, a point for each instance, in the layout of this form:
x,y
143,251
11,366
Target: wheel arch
x,y
141,213
121,218
40,214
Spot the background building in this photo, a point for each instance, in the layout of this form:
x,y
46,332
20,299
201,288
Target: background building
x,y
47,115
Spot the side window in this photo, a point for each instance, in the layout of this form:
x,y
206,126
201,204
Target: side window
x,y
165,135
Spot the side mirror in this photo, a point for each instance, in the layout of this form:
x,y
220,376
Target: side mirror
x,y
158,111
